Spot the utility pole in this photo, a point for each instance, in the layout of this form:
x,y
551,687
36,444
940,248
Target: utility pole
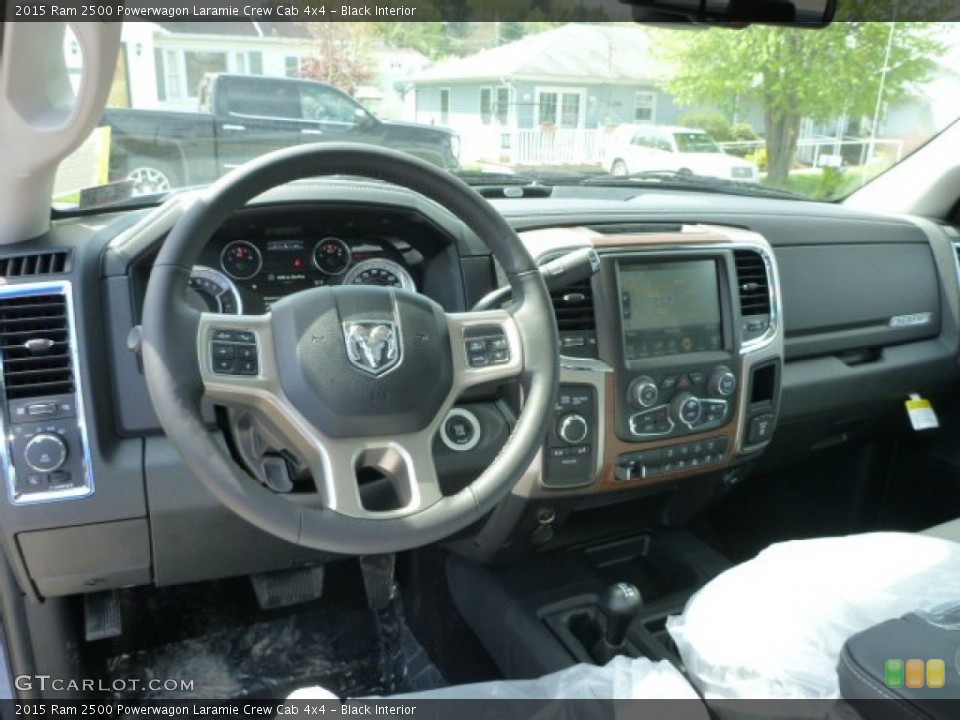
x,y
883,83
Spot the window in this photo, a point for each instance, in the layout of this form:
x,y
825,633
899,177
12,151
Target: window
x,y
291,66
260,98
324,105
173,83
645,107
486,105
444,105
561,107
570,111
198,64
255,62
548,108
503,105
160,74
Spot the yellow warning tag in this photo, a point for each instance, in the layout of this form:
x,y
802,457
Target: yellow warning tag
x,y
921,412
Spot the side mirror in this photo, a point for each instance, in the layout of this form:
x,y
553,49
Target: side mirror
x,y
804,13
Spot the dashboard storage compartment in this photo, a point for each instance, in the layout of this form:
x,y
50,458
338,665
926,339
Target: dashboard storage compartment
x,y
850,297
88,558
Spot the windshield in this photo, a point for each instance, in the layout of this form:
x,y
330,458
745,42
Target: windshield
x,y
694,142
818,113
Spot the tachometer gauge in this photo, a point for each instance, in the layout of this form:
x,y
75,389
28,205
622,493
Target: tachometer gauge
x,y
331,256
385,273
241,260
209,290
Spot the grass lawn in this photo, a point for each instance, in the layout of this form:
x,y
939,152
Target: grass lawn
x,y
830,184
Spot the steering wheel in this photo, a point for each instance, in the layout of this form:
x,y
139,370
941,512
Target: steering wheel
x,y
352,377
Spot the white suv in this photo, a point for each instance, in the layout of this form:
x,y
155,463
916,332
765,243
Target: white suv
x,y
641,148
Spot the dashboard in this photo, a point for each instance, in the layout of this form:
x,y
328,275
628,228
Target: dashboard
x,y
720,334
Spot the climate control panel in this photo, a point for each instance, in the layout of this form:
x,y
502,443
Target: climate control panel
x,y
678,402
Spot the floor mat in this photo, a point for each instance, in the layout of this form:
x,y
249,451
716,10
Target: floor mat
x,y
350,652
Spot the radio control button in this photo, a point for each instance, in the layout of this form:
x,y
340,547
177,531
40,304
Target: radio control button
x,y
723,382
643,392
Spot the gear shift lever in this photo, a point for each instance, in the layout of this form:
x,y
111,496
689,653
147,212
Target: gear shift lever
x,y
619,605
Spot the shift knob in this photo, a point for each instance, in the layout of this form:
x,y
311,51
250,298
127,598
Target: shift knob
x,y
620,604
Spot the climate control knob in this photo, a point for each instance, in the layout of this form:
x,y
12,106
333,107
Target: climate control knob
x,y
723,382
573,428
45,452
687,408
643,392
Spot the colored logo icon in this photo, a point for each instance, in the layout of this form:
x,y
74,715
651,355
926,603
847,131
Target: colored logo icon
x,y
915,673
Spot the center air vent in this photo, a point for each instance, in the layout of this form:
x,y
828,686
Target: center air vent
x,y
576,319
51,263
753,285
35,345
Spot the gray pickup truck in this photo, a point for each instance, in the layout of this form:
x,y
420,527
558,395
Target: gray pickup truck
x,y
242,117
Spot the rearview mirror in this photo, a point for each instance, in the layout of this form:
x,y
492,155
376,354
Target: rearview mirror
x,y
807,13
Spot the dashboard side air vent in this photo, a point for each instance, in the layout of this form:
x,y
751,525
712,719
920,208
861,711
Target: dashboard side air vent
x,y
50,263
576,319
753,290
35,346
753,284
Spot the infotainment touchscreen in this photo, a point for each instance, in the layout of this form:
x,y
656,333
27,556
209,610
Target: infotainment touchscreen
x,y
670,308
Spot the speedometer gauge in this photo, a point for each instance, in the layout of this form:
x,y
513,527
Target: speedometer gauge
x,y
241,260
209,290
385,273
331,256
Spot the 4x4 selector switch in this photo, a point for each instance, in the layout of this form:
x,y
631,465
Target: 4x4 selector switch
x,y
643,392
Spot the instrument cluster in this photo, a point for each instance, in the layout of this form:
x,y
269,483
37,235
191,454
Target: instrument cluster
x,y
249,275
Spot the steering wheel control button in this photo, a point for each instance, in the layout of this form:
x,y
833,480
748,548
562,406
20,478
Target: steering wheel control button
x,y
45,452
460,430
573,428
234,352
222,350
486,345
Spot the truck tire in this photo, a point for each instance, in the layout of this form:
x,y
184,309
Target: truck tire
x,y
619,168
151,175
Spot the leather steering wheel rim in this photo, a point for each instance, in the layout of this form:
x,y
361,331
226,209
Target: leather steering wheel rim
x,y
178,380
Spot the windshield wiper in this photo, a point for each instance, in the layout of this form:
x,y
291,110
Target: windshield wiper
x,y
675,179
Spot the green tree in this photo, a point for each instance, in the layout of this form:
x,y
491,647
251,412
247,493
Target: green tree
x,y
794,74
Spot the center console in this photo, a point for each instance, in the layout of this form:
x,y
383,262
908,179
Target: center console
x,y
683,378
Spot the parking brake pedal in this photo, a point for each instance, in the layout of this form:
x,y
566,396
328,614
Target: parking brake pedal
x,y
288,587
101,615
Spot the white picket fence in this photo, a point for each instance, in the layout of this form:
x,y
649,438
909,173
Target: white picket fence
x,y
557,147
